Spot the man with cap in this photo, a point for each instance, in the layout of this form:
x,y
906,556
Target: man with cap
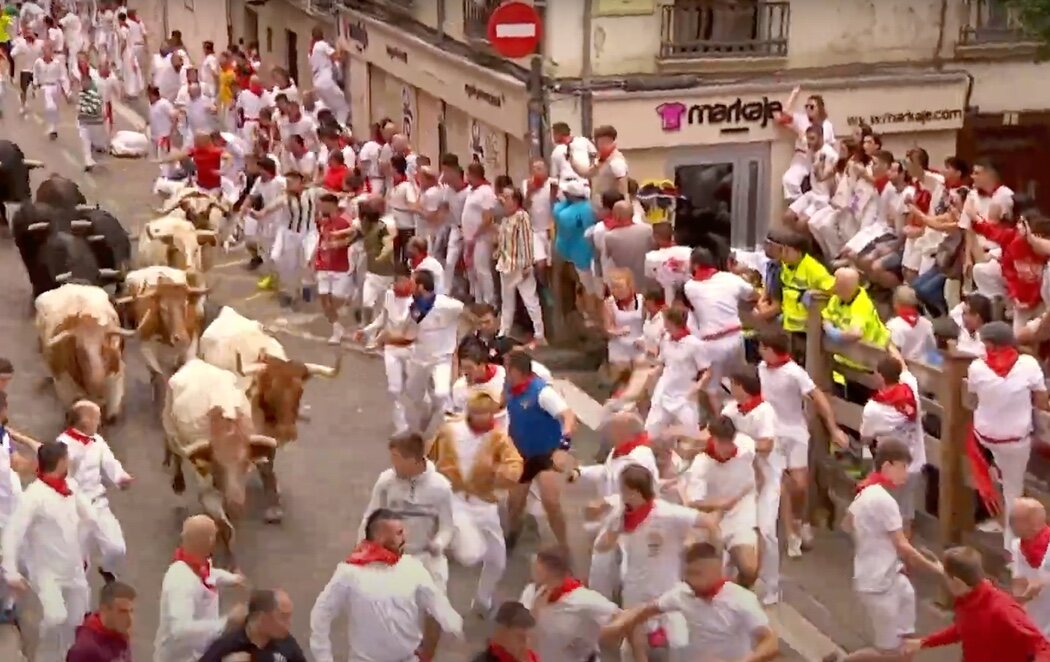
x,y
1007,385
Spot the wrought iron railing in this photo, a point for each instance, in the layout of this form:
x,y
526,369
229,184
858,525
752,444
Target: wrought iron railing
x,y
476,15
725,28
991,22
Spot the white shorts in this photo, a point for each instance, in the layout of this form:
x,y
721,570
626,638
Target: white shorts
x,y
541,246
336,283
892,614
375,288
795,451
739,537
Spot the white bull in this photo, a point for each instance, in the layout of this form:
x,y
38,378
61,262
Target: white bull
x,y
207,421
173,241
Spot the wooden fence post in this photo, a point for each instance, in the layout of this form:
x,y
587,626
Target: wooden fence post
x,y
955,507
818,365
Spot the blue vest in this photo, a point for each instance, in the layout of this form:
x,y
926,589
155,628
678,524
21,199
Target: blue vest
x,y
533,430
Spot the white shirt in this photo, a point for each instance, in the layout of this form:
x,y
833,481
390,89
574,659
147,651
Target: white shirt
x,y
392,318
401,201
579,149
269,191
306,165
784,388
168,81
43,534
802,122
10,483
26,54
50,73
721,629
759,423
92,465
305,127
875,516
431,264
653,333
682,360
652,553
136,33
189,613
462,390
823,162
457,201
349,157
878,419
199,116
1039,607
210,73
57,39
250,104
606,476
291,92
977,206
1004,404
709,479
717,301
913,341
540,209
384,604
431,200
669,267
424,504
161,119
479,200
437,333
569,628
609,173
370,159
321,62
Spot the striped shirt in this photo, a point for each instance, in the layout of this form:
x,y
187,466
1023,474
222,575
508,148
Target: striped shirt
x,y
514,249
302,211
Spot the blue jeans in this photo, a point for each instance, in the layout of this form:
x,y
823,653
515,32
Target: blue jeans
x,y
929,287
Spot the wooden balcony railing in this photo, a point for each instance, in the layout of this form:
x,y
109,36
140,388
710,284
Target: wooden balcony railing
x,y
476,15
725,28
991,22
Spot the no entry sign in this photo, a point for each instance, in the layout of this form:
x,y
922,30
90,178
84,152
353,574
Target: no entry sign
x,y
514,29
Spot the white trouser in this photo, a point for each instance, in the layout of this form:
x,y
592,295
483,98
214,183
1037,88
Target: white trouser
x,y
525,284
51,92
436,565
374,289
482,282
91,137
290,255
988,278
64,605
479,536
1011,459
453,253
333,97
794,175
605,571
431,378
262,232
160,147
108,538
395,359
768,515
891,612
831,228
726,354
665,412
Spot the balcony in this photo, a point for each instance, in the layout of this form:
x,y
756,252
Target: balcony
x,y
992,23
476,15
724,29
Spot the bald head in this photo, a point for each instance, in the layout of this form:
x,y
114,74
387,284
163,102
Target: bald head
x,y
87,416
399,142
623,210
1027,517
624,426
847,282
198,535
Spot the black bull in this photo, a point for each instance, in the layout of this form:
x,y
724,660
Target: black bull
x,y
14,175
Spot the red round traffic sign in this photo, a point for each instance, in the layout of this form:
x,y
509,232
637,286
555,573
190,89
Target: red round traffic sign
x,y
514,29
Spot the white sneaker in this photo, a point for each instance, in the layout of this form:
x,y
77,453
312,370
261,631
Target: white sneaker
x,y
770,598
794,546
337,334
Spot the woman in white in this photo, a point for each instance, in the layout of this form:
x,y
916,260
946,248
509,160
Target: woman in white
x,y
815,114
323,60
624,318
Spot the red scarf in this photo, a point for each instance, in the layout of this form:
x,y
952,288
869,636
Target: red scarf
x,y
536,183
1034,549
256,89
368,552
490,372
611,222
200,567
57,483
779,360
677,334
747,406
625,304
567,586
79,436
402,291
880,183
94,623
703,273
712,452
909,314
503,655
416,261
398,178
711,591
1001,359
518,389
625,448
900,397
481,429
923,199
605,152
874,478
633,517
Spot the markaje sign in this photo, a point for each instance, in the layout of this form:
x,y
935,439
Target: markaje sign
x,y
514,29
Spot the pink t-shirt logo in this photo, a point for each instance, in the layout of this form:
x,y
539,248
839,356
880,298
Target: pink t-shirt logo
x,y
671,115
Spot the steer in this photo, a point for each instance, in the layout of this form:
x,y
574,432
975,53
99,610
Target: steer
x,y
83,345
273,383
167,312
207,421
172,241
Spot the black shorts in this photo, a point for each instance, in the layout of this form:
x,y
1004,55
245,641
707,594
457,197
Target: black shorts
x,y
535,465
25,79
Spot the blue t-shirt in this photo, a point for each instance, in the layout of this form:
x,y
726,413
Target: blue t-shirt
x,y
572,219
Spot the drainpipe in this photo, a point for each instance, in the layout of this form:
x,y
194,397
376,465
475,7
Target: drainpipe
x,y
538,103
941,24
164,19
441,21
586,71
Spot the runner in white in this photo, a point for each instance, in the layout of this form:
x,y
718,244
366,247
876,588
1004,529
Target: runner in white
x,y
323,58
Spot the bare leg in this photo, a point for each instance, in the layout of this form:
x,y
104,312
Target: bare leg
x,y
745,559
550,495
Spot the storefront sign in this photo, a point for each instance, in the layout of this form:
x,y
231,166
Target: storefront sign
x,y
494,100
396,54
673,116
920,117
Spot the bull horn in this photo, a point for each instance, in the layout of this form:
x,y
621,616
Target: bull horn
x,y
123,301
62,335
192,449
251,370
39,225
61,278
108,273
33,164
199,291
95,238
142,322
318,370
117,331
262,440
80,225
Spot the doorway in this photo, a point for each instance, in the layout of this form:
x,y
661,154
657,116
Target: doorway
x,y
292,63
724,196
251,26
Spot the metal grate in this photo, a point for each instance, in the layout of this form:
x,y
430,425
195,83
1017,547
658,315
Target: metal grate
x,y
991,22
476,15
725,28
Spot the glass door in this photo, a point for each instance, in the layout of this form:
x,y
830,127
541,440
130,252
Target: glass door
x,y
724,194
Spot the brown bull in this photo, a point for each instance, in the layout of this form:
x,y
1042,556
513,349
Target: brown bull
x,y
167,313
86,360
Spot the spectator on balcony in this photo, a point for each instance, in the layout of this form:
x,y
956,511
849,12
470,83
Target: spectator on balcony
x,y
823,157
814,114
323,62
988,208
608,169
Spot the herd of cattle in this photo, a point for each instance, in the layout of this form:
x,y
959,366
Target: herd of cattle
x,y
232,396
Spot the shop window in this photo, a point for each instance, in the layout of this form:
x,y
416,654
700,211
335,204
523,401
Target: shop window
x,y
725,28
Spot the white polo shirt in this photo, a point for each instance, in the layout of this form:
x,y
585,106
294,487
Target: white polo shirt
x,y
718,301
720,629
1004,404
369,158
161,119
708,478
875,516
479,200
682,360
540,209
578,148
652,553
759,423
978,206
880,419
784,388
456,201
569,628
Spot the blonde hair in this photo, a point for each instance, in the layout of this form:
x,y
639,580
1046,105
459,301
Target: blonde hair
x,y
625,276
905,296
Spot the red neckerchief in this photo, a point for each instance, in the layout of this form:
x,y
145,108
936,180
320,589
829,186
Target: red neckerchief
x,y
518,389
94,623
1001,359
79,436
711,591
703,273
625,448
502,655
987,194
398,178
481,429
909,314
491,369
874,478
923,199
678,334
368,552
611,222
625,304
633,517
1034,549
200,567
779,360
900,397
712,452
57,483
747,406
536,183
256,89
416,261
567,586
604,154
880,183
402,291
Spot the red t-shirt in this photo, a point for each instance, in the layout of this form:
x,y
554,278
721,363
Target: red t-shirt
x,y
334,177
208,161
332,259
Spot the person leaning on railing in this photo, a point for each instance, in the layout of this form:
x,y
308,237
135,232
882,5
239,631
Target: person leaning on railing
x,y
850,316
800,272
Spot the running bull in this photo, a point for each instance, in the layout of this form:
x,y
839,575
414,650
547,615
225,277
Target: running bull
x,y
14,176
